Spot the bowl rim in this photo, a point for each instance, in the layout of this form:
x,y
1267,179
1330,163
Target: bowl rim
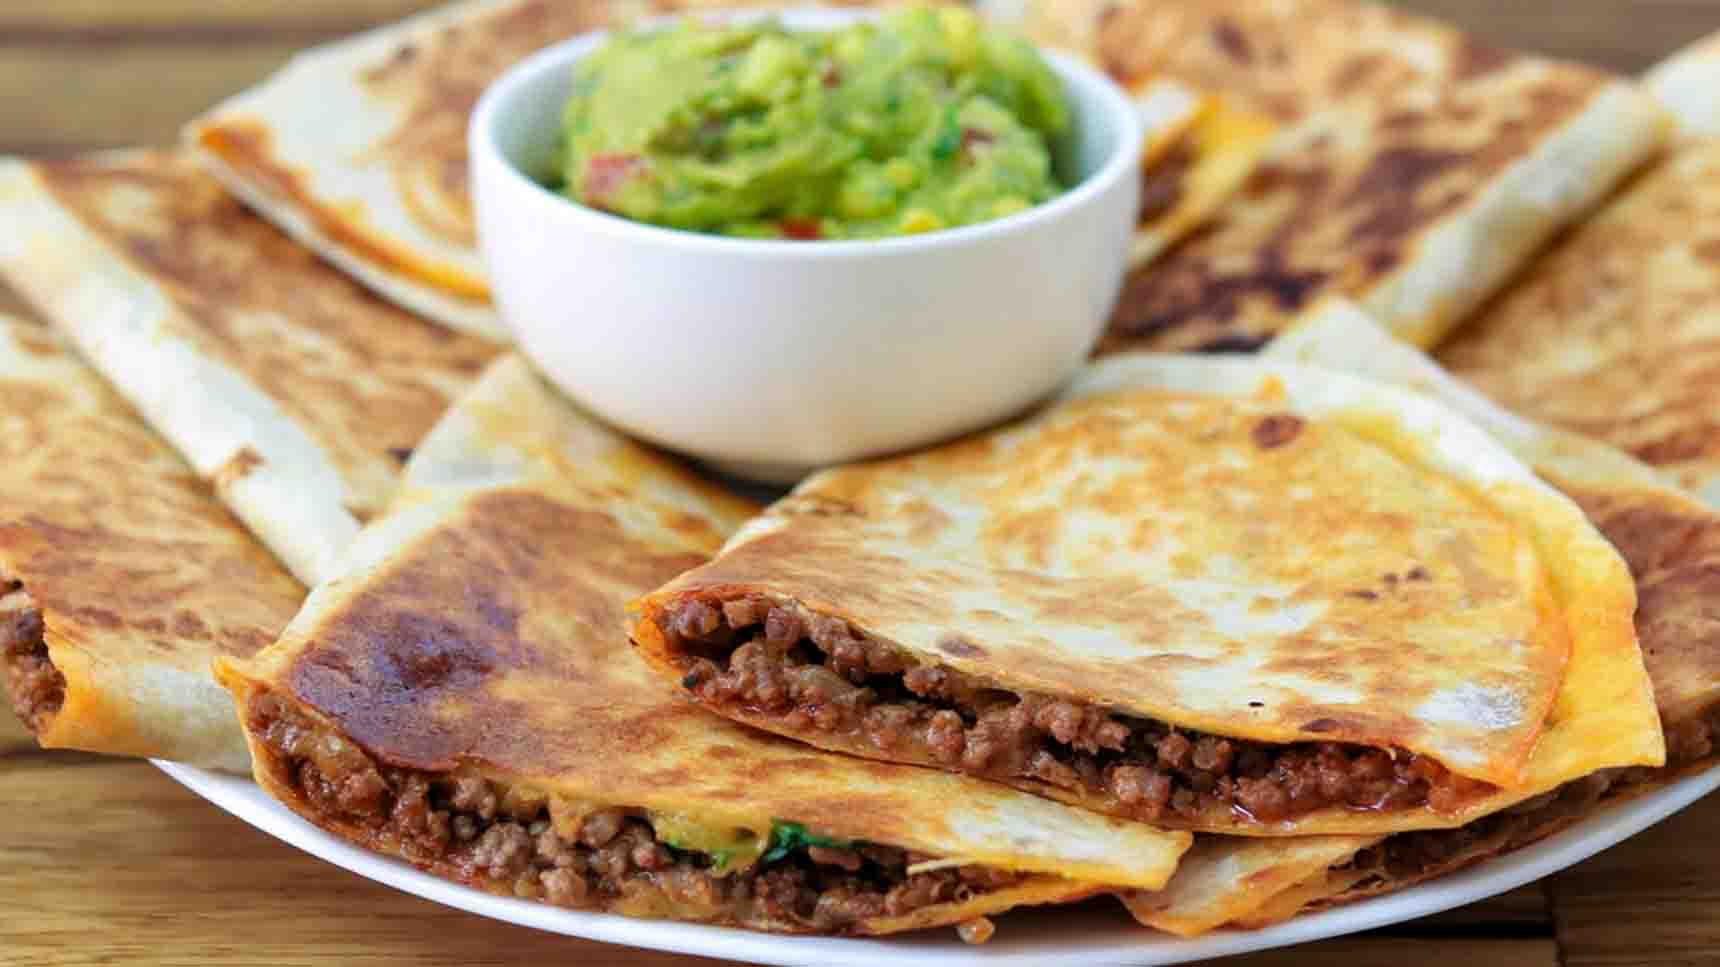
x,y
1124,160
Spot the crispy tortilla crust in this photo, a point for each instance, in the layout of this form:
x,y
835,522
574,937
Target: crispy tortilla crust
x,y
244,145
1417,168
121,576
464,828
1193,173
1671,543
1614,332
479,627
860,545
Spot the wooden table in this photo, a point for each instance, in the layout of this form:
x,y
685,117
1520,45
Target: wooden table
x,y
109,861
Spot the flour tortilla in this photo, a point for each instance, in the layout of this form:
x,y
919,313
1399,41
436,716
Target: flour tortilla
x,y
358,148
1131,549
1615,331
1688,83
120,568
1416,170
1200,149
295,391
522,531
1672,543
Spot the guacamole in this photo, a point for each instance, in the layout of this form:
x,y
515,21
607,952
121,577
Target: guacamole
x,y
922,121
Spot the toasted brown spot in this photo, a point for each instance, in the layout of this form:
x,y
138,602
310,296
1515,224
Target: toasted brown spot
x,y
237,467
1230,39
1277,430
1322,725
960,647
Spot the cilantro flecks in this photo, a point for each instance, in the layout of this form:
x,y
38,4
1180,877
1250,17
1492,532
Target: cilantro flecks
x,y
786,837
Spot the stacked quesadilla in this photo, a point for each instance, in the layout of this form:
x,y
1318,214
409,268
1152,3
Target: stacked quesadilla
x,y
1416,170
1231,639
1672,544
294,391
463,697
1614,332
121,576
1225,596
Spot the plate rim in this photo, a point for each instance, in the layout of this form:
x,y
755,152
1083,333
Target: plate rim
x,y
1612,824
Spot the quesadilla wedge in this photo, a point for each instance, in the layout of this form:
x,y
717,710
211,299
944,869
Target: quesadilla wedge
x,y
1214,594
1200,149
1672,544
1416,170
383,193
121,576
1615,331
1689,84
465,698
292,389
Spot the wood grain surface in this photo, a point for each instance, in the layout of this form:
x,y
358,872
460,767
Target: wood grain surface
x,y
108,861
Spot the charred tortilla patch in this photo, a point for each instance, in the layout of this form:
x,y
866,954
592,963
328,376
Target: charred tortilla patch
x,y
1277,430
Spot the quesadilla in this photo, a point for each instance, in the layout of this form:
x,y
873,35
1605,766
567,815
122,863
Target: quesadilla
x,y
1417,168
1615,332
465,698
292,389
383,193
1689,84
1200,149
1672,544
1213,594
121,576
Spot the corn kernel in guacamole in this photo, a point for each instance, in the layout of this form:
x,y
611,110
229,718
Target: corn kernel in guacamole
x,y
921,121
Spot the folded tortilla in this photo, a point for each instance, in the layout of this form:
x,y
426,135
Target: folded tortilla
x,y
294,390
465,698
1215,594
1672,544
1689,84
1615,332
382,192
1417,168
121,576
1200,149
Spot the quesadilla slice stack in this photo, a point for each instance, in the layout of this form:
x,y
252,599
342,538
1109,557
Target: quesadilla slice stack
x,y
1200,149
464,697
1416,170
121,576
1614,332
1672,544
292,389
1220,595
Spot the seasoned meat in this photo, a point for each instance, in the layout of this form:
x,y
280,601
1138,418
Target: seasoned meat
x,y
36,686
506,840
818,673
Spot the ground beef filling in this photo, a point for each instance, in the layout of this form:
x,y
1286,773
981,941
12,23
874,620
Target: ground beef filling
x,y
1411,856
815,673
37,687
513,842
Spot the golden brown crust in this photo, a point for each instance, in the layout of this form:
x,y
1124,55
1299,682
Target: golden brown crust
x,y
138,576
1400,126
1615,332
361,377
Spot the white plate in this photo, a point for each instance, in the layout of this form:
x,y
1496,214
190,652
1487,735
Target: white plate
x,y
1086,935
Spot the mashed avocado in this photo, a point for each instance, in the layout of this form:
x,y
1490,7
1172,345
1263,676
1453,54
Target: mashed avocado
x,y
922,121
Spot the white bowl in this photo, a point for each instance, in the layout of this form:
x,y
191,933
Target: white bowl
x,y
772,357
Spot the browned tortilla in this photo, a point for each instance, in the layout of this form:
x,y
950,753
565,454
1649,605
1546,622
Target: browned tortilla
x,y
465,698
296,391
1417,168
121,576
